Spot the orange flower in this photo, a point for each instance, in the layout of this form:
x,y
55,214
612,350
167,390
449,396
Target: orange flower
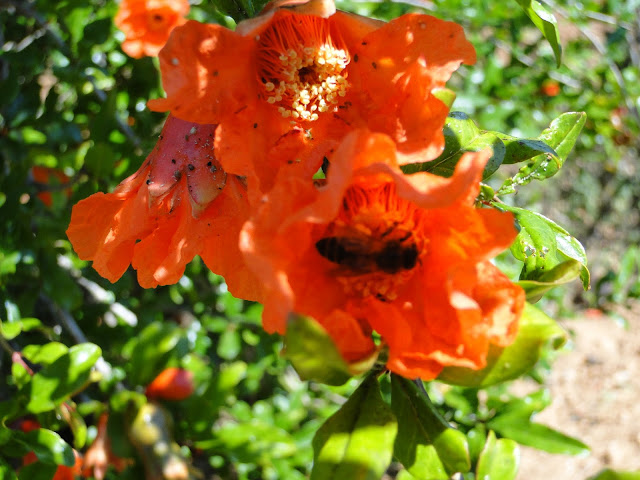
x,y
404,255
303,76
147,24
179,204
99,456
49,179
171,384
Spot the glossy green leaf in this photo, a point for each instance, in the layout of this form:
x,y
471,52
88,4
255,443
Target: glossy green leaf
x,y
37,471
6,471
48,446
44,354
542,18
542,245
445,95
100,159
520,428
151,351
12,330
426,444
535,331
313,353
499,459
563,273
65,376
609,474
357,441
561,136
462,135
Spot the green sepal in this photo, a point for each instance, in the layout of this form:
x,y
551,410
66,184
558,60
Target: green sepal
x,y
535,330
357,441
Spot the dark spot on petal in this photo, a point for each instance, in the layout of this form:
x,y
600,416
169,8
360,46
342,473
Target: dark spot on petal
x,y
209,164
364,43
373,64
149,181
177,174
173,160
215,73
191,167
255,125
355,57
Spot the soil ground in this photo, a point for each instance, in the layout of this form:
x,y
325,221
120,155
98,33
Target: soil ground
x,y
595,388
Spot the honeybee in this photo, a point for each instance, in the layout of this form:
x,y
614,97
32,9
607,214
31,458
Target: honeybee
x,y
361,255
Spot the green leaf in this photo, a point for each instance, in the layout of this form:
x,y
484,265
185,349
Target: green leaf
x,y
499,460
462,135
313,353
426,444
559,275
100,160
6,471
151,351
535,331
59,380
357,441
48,446
520,428
44,354
37,471
560,137
609,474
12,330
542,245
542,18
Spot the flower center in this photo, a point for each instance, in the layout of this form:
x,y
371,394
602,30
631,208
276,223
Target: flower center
x,y
376,241
156,20
302,67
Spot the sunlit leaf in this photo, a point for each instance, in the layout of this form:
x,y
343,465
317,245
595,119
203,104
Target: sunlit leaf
x,y
62,378
12,330
522,430
462,135
313,353
499,459
560,137
426,444
357,441
535,331
151,350
48,446
609,474
542,245
542,18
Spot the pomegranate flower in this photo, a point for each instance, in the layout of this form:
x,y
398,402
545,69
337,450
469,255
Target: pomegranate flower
x,y
179,204
406,256
147,24
288,85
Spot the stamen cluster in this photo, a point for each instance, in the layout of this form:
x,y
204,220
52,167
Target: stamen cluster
x,y
303,76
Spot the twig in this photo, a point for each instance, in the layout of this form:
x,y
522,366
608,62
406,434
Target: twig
x,y
67,321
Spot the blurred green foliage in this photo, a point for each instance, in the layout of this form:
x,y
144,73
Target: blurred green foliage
x,y
71,100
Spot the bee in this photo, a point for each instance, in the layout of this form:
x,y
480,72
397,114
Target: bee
x,y
361,255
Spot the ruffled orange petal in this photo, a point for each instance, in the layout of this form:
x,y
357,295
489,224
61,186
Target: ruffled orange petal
x,y
178,205
104,227
353,338
206,74
405,254
395,70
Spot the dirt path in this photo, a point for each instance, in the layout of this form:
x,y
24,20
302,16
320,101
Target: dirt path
x,y
596,398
